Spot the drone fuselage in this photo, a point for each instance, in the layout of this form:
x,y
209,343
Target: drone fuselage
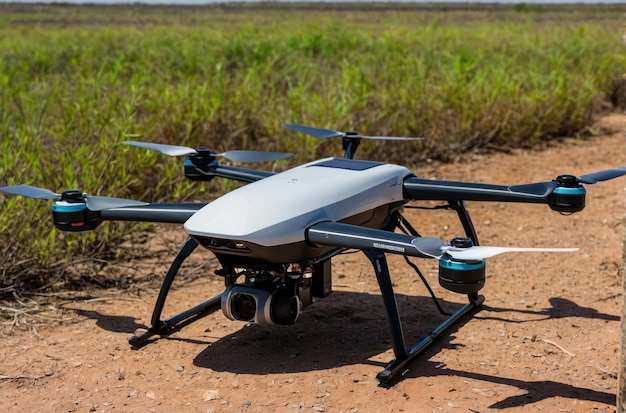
x,y
267,220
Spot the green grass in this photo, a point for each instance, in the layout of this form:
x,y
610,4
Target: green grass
x,y
77,81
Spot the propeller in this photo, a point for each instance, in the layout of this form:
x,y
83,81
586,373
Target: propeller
x,y
600,176
436,248
462,265
480,253
323,133
569,181
428,246
94,203
235,156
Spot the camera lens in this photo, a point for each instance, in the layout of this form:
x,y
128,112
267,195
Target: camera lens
x,y
243,307
286,309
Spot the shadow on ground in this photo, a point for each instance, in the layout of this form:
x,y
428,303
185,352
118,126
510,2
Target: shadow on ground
x,y
339,332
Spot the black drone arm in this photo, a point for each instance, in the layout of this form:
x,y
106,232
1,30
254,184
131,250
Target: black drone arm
x,y
352,236
565,194
206,173
80,218
171,213
434,190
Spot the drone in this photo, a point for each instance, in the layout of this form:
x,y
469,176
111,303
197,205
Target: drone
x,y
275,236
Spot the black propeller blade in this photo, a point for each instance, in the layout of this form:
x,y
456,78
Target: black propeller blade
x,y
94,203
323,133
600,176
235,156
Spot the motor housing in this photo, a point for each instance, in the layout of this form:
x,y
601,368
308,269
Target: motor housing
x,y
197,166
461,276
70,213
569,196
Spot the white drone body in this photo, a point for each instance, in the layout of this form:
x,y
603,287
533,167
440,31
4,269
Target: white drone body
x,y
268,219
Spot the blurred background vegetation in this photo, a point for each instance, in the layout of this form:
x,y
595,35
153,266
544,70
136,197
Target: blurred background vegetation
x,y
76,81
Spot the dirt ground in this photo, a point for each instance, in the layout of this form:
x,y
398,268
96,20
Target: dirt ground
x,y
546,339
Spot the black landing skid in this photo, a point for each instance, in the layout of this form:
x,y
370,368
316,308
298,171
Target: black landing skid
x,y
404,355
170,325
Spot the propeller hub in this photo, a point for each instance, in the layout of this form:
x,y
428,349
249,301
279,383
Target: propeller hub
x,y
462,242
72,214
567,181
203,151
202,158
72,196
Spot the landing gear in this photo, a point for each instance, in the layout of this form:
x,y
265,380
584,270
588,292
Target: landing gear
x,y
168,326
403,354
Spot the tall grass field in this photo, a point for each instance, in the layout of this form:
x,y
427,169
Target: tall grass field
x,y
76,81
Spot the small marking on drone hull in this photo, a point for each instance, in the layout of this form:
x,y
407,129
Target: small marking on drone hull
x,y
387,247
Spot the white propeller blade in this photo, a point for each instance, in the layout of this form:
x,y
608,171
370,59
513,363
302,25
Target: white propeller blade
x,y
235,156
170,150
100,203
253,156
482,252
94,203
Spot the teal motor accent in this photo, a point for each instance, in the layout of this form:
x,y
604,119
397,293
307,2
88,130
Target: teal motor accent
x,y
561,190
463,277
450,264
68,208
